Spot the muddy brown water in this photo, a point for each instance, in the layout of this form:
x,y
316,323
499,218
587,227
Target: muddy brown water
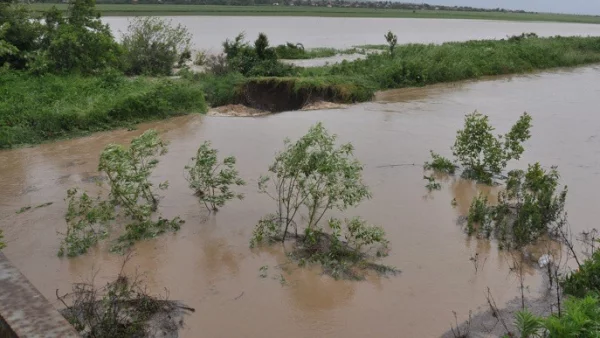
x,y
209,265
209,32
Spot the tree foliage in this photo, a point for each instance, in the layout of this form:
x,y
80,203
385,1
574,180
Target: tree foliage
x,y
531,206
212,179
128,171
440,164
307,179
153,46
78,43
484,155
254,60
586,280
87,222
392,41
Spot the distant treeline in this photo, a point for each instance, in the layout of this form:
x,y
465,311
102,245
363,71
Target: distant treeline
x,y
320,3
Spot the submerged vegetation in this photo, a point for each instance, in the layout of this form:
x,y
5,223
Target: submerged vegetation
x,y
211,179
308,179
132,198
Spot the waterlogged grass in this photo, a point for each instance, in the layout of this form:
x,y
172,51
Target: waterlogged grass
x,y
35,109
268,10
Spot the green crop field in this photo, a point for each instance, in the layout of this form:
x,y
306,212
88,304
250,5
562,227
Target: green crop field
x,y
168,9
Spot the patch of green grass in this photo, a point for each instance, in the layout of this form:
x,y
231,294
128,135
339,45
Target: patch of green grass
x,y
420,64
268,10
35,109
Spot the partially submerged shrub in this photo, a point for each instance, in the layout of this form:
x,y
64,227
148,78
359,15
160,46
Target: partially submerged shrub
x,y
440,163
431,183
484,155
153,46
311,177
87,222
128,171
529,207
212,179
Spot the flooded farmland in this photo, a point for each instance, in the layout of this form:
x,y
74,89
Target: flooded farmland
x,y
209,265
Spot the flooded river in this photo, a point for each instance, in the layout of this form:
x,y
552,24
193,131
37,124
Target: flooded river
x,y
209,32
209,265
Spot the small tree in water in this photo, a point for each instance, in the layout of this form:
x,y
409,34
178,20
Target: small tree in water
x,y
484,155
311,177
211,179
531,206
392,40
128,171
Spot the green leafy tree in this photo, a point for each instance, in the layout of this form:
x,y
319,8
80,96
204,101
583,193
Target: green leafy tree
x,y
484,155
529,207
87,223
19,35
315,174
440,163
392,41
153,46
79,43
307,179
212,179
128,171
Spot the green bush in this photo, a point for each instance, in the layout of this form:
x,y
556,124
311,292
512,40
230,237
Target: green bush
x,y
256,60
78,43
585,280
153,46
20,32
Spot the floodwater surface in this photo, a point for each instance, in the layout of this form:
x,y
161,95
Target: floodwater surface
x,y
209,32
209,265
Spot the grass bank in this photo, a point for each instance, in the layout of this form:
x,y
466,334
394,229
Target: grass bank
x,y
411,66
35,109
169,9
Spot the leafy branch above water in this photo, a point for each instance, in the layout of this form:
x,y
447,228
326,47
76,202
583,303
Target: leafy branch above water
x,y
211,179
309,178
128,171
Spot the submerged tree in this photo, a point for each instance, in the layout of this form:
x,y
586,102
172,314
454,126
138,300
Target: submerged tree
x,y
484,155
128,172
309,178
212,179
87,222
529,207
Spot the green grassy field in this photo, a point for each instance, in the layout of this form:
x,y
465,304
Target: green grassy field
x,y
167,9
